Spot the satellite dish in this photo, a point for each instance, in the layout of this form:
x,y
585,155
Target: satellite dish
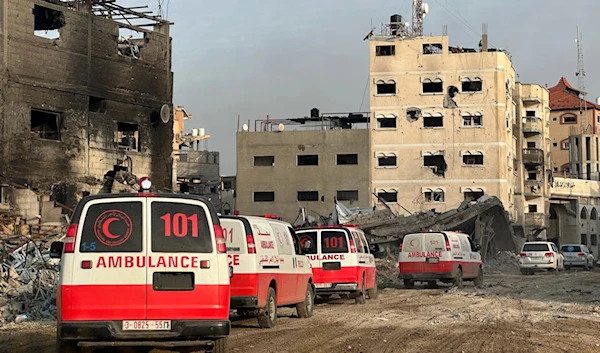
x,y
425,8
245,127
281,127
165,113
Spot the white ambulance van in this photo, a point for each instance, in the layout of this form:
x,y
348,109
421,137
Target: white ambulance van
x,y
269,270
450,257
143,269
341,260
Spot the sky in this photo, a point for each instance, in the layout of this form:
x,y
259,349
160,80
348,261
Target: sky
x,y
281,58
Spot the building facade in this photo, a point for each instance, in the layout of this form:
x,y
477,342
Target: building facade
x,y
80,100
280,171
572,115
532,163
442,122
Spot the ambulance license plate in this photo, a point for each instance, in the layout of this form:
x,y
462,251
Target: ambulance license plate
x,y
322,285
433,260
146,325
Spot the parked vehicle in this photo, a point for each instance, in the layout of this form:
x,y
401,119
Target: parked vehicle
x,y
269,270
540,255
342,261
449,257
143,269
577,255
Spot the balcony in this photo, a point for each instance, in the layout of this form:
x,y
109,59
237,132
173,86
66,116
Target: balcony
x,y
533,189
535,220
533,126
531,100
533,156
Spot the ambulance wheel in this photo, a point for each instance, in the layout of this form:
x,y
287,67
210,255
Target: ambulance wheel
x,y
305,309
458,280
361,296
409,284
478,281
63,346
373,292
221,346
266,317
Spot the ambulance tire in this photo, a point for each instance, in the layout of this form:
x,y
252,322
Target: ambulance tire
x,y
305,309
458,280
267,315
361,295
221,346
373,292
478,281
63,346
409,284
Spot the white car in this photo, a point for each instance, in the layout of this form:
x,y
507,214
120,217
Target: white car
x,y
540,255
577,255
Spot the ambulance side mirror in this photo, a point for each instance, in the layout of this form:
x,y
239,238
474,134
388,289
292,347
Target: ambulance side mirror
x,y
374,248
477,247
56,249
230,271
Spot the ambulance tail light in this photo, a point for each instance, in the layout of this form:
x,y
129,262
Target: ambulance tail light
x,y
523,254
549,254
70,238
447,245
581,254
352,246
251,244
400,247
220,237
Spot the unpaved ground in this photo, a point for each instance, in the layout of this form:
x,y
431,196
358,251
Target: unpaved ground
x,y
513,313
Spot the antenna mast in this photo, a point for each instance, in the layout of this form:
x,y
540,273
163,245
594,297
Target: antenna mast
x,y
417,20
580,70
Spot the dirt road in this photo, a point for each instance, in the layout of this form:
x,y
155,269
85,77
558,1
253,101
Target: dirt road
x,y
513,313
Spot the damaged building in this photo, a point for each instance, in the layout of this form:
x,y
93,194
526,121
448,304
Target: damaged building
x,y
87,89
295,167
441,122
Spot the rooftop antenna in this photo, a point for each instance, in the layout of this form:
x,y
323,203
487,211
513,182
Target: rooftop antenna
x,y
419,10
580,71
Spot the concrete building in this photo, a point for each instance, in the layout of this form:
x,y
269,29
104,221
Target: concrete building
x,y
574,211
79,100
280,170
573,116
442,122
227,194
532,165
196,169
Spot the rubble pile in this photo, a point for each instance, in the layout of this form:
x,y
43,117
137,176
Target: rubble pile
x,y
28,277
502,262
387,272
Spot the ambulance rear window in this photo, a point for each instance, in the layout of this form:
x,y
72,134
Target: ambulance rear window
x,y
180,227
333,242
308,238
112,227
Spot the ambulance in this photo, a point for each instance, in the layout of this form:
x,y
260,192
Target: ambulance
x,y
449,257
143,269
342,261
269,270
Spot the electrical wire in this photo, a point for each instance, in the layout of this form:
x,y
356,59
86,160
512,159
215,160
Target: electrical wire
x,y
364,93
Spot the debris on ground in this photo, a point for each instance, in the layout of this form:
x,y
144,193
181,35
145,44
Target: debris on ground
x,y
502,262
28,277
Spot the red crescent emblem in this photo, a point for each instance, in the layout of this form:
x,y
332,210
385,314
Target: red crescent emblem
x,y
411,243
105,229
120,223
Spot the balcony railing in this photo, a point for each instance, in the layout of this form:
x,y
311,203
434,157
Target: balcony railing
x,y
531,99
533,156
533,125
533,188
536,220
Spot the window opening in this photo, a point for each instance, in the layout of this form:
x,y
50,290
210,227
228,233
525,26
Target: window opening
x,y
131,43
434,196
472,159
472,86
433,121
386,123
433,87
308,159
347,195
264,161
97,105
47,22
437,164
386,88
474,120
128,136
388,196
385,50
45,124
264,196
433,48
532,208
473,195
386,161
347,159
308,196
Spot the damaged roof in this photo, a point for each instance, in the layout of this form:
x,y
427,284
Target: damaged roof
x,y
564,96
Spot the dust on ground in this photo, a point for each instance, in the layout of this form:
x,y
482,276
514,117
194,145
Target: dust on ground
x,y
513,313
